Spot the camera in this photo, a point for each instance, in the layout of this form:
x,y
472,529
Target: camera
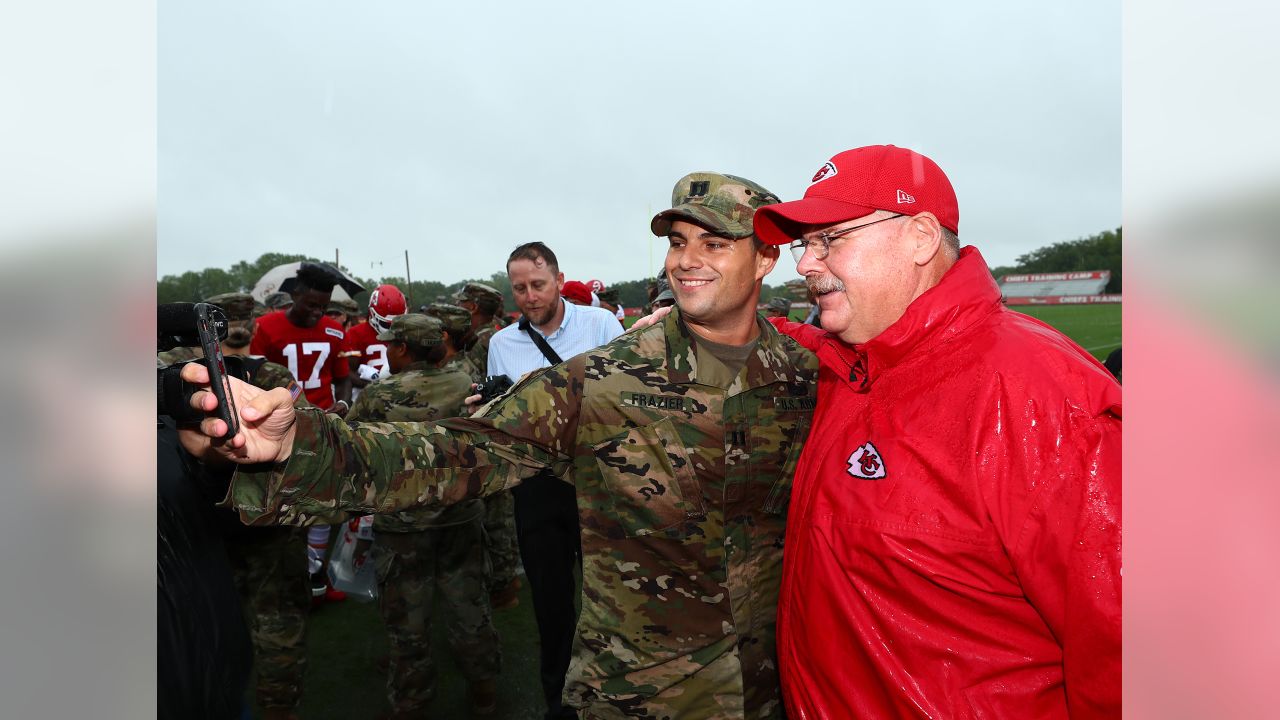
x,y
492,387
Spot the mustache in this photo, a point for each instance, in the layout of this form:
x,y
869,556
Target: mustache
x,y
821,284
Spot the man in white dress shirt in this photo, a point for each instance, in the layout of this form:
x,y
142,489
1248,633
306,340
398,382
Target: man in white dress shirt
x,y
546,509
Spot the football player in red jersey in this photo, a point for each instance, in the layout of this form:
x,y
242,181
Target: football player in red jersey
x,y
305,341
362,346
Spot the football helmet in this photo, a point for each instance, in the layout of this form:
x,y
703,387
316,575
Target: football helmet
x,y
385,303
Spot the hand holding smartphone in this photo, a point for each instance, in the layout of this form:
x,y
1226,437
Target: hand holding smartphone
x,y
211,324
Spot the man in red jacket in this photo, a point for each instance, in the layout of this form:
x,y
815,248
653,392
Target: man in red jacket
x,y
953,543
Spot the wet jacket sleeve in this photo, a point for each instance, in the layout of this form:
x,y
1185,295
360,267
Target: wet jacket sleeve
x,y
387,467
1061,524
803,333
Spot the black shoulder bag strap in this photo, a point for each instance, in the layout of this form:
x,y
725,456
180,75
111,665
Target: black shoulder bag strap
x,y
544,481
540,341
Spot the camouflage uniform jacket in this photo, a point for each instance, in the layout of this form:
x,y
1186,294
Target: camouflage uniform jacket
x,y
464,362
476,357
418,393
682,494
179,354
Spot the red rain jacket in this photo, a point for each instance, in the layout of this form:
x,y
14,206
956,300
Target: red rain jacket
x,y
953,541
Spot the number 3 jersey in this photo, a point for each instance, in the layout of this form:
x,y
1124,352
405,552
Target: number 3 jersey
x,y
311,354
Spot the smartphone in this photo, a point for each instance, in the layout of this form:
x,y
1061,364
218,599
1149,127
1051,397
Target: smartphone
x,y
211,324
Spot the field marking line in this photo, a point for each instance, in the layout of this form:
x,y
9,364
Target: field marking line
x,y
1100,347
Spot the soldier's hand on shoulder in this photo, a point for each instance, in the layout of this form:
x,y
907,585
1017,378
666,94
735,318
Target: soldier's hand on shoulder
x,y
652,318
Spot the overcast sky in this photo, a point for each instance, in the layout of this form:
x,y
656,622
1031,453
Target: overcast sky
x,y
457,131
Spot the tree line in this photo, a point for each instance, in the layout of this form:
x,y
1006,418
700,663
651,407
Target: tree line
x,y
1096,252
195,285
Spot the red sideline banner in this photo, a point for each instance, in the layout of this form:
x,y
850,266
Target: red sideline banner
x,y
1056,277
1063,300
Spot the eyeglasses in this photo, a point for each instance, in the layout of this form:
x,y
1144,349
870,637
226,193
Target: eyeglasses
x,y
821,244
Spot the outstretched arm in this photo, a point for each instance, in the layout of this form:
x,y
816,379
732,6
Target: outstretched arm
x,y
300,464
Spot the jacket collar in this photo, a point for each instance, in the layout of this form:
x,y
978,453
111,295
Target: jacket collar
x,y
769,363
966,294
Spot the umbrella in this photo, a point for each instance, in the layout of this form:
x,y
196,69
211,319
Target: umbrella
x,y
280,279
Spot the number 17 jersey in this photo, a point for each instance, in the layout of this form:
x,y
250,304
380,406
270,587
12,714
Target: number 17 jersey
x,y
311,354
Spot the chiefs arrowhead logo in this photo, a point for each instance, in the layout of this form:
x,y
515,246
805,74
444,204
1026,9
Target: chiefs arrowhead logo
x,y
826,171
865,463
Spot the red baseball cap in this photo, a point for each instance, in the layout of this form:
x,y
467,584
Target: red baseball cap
x,y
577,291
858,182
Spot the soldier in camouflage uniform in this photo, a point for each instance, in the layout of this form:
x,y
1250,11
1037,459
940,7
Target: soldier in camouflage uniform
x,y
500,538
662,295
345,312
777,307
268,564
425,552
484,302
609,301
457,322
681,440
277,301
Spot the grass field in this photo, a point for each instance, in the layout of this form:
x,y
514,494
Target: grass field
x,y
343,681
1096,328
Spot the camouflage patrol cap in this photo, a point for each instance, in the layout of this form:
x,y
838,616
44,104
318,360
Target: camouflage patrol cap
x,y
348,307
414,329
277,301
608,295
782,305
662,291
456,320
724,204
661,284
237,306
487,298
